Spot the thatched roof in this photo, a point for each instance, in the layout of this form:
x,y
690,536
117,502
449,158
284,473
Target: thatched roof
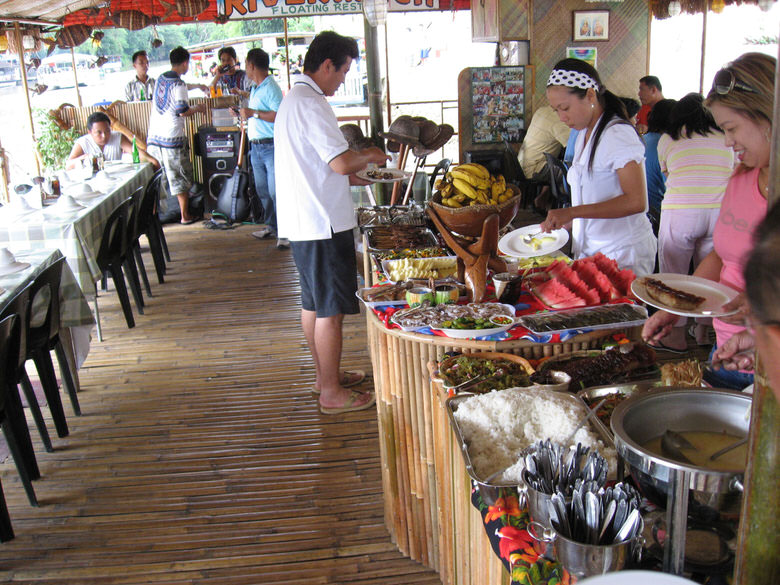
x,y
660,8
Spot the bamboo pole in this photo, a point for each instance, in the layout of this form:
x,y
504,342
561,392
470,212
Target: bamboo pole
x,y
75,76
26,88
287,53
703,47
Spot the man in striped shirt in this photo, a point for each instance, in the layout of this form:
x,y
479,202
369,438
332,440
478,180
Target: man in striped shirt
x,y
167,140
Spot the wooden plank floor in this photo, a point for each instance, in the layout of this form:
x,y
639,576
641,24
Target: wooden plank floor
x,y
201,456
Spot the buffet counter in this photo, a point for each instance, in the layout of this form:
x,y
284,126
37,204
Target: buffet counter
x,y
427,492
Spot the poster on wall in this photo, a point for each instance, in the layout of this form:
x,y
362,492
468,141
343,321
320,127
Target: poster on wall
x,y
587,54
498,104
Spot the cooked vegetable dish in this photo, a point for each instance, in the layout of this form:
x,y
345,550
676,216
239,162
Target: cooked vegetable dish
x,y
464,368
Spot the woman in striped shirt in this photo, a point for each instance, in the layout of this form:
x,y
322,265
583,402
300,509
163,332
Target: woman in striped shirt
x,y
697,165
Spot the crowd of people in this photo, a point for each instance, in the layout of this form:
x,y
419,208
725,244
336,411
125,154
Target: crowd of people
x,y
679,190
676,186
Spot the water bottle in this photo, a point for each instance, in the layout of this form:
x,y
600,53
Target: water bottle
x,y
136,154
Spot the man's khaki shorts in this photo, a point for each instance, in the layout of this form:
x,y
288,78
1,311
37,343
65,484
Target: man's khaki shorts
x,y
177,165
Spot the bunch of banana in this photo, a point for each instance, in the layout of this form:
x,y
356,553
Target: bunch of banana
x,y
472,184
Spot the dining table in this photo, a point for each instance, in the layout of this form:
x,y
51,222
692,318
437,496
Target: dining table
x,y
75,223
76,319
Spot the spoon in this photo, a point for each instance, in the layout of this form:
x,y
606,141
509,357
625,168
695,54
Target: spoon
x,y
672,443
529,238
728,448
586,418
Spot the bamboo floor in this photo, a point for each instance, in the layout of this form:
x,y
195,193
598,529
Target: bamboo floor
x,y
201,456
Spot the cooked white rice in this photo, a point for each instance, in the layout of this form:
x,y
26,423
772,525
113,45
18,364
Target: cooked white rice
x,y
499,425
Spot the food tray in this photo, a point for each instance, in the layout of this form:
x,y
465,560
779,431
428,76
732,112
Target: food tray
x,y
652,373
447,383
394,237
509,311
378,215
371,304
488,490
386,264
592,396
567,319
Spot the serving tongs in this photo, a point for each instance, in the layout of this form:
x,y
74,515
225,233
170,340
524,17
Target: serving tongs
x,y
463,386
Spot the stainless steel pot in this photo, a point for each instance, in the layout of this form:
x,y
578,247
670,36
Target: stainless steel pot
x,y
670,483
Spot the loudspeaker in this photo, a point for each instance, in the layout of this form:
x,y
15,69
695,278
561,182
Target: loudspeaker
x,y
219,156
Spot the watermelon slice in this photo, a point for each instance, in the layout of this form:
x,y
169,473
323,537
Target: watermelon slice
x,y
621,279
556,295
564,273
596,279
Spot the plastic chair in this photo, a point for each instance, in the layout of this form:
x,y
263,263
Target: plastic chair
x,y
149,227
559,186
12,417
134,263
442,166
20,305
44,337
111,255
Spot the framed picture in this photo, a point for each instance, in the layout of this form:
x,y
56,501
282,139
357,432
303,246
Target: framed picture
x,y
591,25
497,103
587,54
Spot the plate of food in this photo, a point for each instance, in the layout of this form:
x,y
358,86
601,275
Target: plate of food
x,y
483,319
393,295
684,295
531,241
383,175
408,268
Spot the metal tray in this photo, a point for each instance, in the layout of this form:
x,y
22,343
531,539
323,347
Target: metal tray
x,y
490,491
591,396
428,238
390,215
535,322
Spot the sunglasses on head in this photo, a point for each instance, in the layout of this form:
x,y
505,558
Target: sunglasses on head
x,y
725,81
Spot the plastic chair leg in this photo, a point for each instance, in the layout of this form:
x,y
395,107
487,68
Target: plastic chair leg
x,y
163,241
45,367
68,376
17,423
155,247
131,272
13,447
121,291
35,408
6,529
139,260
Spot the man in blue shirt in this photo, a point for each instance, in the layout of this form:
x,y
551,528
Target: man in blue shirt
x,y
264,100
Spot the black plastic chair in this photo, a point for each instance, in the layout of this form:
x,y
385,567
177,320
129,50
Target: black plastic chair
x,y
441,167
112,252
11,415
134,263
148,225
20,305
44,337
559,186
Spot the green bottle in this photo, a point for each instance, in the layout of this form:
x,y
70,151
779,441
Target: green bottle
x,y
136,154
143,97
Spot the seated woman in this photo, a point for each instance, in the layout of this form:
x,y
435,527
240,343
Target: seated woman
x,y
100,140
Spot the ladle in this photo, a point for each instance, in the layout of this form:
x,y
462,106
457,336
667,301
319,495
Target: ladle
x,y
672,443
728,448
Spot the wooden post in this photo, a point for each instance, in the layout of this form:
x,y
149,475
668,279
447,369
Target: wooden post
x,y
75,75
703,47
287,53
757,560
26,89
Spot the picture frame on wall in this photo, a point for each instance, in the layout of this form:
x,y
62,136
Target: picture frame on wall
x,y
590,25
587,54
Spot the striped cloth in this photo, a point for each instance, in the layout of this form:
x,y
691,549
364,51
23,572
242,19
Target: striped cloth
x,y
697,170
166,126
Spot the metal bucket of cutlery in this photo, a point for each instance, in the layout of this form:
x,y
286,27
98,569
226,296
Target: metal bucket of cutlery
x,y
585,560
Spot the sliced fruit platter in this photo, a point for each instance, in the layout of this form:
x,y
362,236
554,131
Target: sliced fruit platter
x,y
586,282
407,268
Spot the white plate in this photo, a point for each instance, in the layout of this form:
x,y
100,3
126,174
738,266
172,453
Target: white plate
x,y
472,333
716,294
512,243
636,578
398,175
13,268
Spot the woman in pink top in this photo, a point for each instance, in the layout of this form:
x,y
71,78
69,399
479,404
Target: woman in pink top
x,y
741,101
697,165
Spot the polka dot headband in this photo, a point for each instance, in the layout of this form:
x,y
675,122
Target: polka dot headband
x,y
572,79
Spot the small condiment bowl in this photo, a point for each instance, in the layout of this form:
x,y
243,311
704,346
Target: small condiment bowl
x,y
501,281
502,320
446,294
6,257
417,295
551,380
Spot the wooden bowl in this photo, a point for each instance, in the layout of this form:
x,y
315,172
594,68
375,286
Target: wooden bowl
x,y
467,221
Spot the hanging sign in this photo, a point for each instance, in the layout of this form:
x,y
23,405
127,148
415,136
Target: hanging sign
x,y
239,9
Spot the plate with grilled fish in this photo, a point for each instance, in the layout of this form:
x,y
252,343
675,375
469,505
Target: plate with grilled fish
x,y
684,295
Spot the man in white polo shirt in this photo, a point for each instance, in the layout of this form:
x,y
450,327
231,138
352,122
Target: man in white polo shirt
x,y
314,168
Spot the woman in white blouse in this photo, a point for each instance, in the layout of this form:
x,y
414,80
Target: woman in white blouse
x,y
101,140
607,175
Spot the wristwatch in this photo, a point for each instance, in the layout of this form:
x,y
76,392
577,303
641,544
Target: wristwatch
x,y
256,115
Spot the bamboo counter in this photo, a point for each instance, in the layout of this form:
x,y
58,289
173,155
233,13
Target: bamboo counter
x,y
426,488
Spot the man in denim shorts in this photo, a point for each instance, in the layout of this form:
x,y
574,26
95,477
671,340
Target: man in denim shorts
x,y
167,139
314,169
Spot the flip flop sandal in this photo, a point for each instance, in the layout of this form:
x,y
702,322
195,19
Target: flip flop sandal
x,y
359,374
349,405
